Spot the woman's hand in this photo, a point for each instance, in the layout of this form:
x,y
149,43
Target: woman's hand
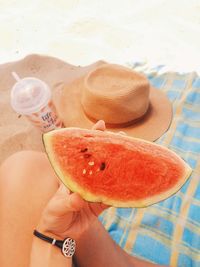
x,y
67,214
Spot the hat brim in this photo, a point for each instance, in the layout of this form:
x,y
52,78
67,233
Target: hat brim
x,y
155,122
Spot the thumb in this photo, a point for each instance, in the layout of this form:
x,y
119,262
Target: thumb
x,y
66,202
73,202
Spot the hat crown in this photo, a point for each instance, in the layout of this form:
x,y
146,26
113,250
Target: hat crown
x,y
115,94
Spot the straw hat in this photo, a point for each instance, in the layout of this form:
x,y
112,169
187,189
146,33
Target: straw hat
x,y
121,97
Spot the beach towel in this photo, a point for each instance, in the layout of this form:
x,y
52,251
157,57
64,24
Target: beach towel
x,y
168,233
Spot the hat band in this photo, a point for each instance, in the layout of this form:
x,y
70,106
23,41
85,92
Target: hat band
x,y
124,124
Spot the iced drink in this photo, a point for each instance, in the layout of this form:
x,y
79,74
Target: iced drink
x,y
32,97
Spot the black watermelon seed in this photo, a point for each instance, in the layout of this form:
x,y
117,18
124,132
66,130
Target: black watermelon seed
x,y
102,166
84,150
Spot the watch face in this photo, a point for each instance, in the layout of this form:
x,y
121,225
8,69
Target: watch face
x,y
68,248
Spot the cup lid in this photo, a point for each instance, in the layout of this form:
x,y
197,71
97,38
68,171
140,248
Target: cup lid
x,y
29,95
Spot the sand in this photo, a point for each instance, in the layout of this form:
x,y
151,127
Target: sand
x,y
17,132
83,31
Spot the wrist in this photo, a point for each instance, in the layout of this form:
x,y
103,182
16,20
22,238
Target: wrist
x,y
67,245
44,230
44,254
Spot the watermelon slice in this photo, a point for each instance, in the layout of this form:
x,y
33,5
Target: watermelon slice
x,y
114,169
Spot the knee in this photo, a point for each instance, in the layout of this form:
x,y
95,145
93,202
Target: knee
x,y
20,159
20,164
27,168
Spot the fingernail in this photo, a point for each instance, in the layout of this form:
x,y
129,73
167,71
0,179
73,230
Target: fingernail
x,y
102,123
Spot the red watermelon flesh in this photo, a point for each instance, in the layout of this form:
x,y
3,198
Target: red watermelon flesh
x,y
113,168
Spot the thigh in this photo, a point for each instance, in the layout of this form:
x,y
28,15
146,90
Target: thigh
x,y
27,182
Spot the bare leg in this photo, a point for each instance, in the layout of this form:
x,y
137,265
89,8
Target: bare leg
x,y
26,184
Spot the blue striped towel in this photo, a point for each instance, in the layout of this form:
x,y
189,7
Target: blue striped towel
x,y
168,233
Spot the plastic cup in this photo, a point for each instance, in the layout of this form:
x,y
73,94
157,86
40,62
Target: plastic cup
x,y
32,97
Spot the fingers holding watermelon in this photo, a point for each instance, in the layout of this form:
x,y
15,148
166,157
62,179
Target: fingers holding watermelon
x,y
68,215
82,161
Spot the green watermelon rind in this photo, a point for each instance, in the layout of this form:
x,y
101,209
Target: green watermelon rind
x,y
67,180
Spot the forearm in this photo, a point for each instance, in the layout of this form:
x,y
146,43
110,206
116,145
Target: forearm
x,y
45,255
96,248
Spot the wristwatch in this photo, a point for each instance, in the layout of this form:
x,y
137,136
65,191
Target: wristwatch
x,y
67,246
